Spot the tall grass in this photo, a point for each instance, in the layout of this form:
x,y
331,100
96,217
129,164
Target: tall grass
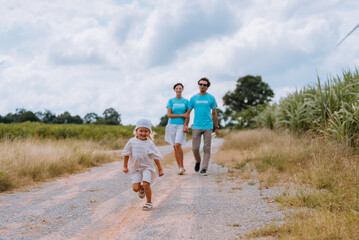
x,y
24,162
330,109
109,135
62,131
326,172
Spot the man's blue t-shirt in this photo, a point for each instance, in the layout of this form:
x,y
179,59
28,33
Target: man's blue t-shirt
x,y
202,106
178,106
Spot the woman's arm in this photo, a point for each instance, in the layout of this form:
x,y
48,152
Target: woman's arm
x,y
170,115
186,121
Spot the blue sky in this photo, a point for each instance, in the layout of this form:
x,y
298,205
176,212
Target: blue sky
x,y
85,56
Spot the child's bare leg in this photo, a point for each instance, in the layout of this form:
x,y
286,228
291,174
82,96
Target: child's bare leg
x,y
147,187
137,187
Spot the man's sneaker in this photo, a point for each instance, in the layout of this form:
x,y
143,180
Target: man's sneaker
x,y
203,172
196,167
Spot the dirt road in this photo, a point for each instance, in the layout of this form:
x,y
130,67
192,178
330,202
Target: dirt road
x,y
100,204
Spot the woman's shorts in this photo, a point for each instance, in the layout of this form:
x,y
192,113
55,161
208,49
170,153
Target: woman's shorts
x,y
174,134
143,176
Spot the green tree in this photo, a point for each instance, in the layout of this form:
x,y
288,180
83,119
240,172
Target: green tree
x,y
76,120
9,118
63,118
222,117
28,116
110,117
244,103
163,121
247,118
66,117
90,118
13,117
47,116
250,91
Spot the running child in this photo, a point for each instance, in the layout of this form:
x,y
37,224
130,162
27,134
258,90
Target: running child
x,y
139,153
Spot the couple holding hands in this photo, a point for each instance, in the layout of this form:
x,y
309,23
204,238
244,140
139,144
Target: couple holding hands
x,y
205,117
140,150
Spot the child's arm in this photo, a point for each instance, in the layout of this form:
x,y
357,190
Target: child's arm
x,y
160,170
125,162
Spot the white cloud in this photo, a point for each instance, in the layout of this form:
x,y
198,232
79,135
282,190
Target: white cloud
x,y
88,56
282,92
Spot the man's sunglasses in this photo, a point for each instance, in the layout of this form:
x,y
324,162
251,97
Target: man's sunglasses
x,y
202,84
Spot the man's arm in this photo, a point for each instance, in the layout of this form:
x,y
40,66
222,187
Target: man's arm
x,y
215,121
186,121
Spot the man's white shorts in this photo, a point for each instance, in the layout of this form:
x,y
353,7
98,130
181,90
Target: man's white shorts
x,y
174,134
143,176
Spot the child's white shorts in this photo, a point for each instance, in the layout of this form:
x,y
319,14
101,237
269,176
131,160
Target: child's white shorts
x,y
174,134
146,175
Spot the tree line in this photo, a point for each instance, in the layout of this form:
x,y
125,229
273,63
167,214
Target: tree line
x,y
109,117
241,108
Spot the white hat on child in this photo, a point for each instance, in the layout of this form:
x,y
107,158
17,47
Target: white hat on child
x,y
143,123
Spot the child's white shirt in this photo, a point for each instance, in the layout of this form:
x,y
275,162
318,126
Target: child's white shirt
x,y
141,155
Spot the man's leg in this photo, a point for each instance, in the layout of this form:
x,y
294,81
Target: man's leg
x,y
196,141
207,138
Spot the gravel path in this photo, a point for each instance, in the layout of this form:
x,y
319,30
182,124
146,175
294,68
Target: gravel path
x,y
100,204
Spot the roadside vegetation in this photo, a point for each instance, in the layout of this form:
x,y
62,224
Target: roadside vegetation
x,y
308,144
325,175
24,162
36,152
329,109
111,136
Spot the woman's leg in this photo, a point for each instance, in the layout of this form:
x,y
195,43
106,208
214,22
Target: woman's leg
x,y
179,155
176,156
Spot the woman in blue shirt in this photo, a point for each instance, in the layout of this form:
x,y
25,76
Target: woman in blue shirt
x,y
176,129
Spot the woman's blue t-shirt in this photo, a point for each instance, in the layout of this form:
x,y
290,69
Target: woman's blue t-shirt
x,y
178,106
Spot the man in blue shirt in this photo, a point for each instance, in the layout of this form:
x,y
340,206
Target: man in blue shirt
x,y
205,115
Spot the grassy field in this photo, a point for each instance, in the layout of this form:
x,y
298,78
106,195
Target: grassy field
x,y
24,162
326,175
34,152
108,135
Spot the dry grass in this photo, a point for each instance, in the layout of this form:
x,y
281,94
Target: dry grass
x,y
160,141
117,144
24,162
327,172
313,225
